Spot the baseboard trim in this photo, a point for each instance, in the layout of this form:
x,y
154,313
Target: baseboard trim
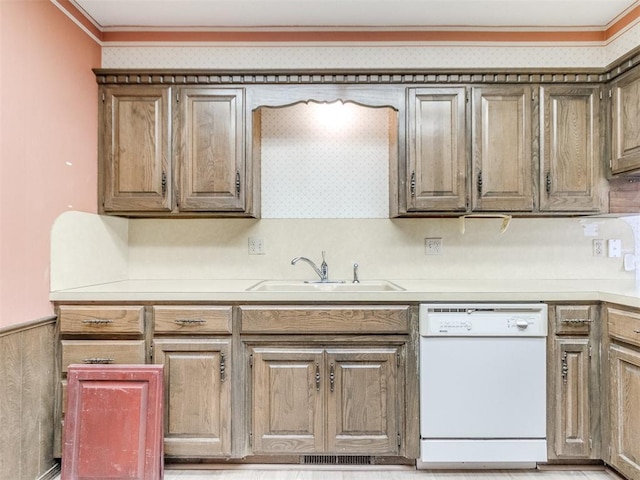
x,y
50,474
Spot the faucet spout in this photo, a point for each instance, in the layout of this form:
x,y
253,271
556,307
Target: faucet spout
x,y
322,271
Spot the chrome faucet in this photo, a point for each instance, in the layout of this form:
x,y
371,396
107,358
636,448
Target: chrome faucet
x,y
323,271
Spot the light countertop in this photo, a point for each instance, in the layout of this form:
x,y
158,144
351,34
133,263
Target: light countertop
x,y
445,290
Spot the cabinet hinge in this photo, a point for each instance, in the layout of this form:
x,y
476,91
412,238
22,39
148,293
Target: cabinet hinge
x,y
399,441
178,97
151,352
251,439
610,94
590,444
104,97
590,354
251,360
600,94
398,359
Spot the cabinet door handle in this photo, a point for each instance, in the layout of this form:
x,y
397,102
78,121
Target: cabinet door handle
x,y
548,183
332,377
413,184
97,361
480,182
237,183
636,331
97,321
317,377
565,368
222,368
164,183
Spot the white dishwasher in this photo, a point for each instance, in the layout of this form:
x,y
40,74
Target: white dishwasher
x,y
482,385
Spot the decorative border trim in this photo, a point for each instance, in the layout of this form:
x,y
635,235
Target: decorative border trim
x,y
365,77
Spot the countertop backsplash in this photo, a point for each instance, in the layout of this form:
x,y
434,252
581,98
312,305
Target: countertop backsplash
x,y
91,249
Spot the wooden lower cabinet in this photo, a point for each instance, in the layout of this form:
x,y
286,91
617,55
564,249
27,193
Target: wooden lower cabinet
x,y
573,416
571,387
197,379
625,410
326,400
623,402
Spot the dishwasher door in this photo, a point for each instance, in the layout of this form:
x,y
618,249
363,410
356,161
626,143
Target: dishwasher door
x,y
483,387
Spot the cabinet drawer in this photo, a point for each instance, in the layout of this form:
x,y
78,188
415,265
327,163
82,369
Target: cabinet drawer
x,y
574,319
295,319
101,320
102,352
624,325
192,320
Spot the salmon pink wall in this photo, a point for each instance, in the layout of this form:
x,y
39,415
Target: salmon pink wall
x,y
48,139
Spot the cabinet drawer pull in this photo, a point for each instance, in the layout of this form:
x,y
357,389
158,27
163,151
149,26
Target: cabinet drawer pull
x,y
189,321
576,320
636,331
317,376
97,321
97,361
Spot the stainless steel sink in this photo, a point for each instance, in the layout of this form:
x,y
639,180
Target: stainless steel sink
x,y
299,286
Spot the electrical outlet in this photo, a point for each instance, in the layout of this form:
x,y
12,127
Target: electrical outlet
x,y
598,247
433,246
256,246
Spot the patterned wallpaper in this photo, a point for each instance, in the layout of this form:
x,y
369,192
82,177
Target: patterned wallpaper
x,y
325,161
371,55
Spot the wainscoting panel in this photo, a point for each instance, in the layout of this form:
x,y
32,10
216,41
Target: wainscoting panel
x,y
27,363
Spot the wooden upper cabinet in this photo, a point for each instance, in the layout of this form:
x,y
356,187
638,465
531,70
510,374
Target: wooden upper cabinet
x,y
135,149
625,123
571,173
209,149
437,149
502,165
171,150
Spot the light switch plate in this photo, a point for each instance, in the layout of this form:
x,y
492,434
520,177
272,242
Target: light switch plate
x,y
615,247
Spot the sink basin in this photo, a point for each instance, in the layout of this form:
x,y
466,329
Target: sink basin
x,y
299,286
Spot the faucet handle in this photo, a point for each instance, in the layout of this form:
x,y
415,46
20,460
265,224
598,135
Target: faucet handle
x,y
355,273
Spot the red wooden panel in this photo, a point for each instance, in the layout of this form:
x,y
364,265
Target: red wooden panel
x,y
113,423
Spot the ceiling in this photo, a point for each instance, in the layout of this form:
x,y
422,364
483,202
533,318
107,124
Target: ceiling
x,y
360,14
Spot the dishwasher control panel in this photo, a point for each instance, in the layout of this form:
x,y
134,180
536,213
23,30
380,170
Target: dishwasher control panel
x,y
519,320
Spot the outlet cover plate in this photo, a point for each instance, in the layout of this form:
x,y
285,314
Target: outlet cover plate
x,y
433,246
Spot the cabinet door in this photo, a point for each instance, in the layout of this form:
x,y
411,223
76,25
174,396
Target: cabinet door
x,y
287,404
113,426
135,149
571,176
625,410
501,148
437,149
210,154
570,384
625,127
362,401
197,378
